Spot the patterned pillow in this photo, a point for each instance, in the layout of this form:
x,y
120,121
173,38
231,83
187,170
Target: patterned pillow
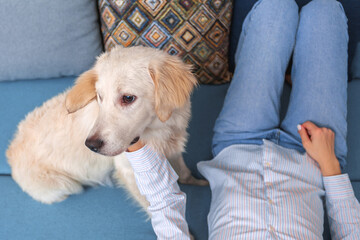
x,y
197,31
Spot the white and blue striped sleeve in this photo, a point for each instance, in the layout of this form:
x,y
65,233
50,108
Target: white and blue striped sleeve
x,y
343,209
157,181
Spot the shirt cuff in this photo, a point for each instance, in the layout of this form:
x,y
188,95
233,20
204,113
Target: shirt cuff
x,y
338,187
142,160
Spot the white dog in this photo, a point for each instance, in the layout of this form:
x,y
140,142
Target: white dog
x,y
140,92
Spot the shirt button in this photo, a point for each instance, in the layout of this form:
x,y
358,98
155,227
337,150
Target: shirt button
x,y
268,184
270,201
272,229
268,164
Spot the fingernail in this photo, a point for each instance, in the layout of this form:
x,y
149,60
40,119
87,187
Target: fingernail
x,y
299,127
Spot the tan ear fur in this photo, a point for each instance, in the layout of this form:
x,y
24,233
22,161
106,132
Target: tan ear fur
x,y
174,83
82,92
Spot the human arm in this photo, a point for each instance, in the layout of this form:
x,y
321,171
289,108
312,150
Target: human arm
x,y
343,209
157,181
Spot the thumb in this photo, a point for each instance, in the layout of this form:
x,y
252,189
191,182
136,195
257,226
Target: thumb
x,y
304,135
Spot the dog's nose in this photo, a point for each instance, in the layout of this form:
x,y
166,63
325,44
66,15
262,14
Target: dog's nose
x,y
94,144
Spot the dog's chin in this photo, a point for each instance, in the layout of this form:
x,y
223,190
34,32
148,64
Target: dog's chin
x,y
118,152
111,154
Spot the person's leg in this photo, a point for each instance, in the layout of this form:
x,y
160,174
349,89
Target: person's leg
x,y
252,103
319,74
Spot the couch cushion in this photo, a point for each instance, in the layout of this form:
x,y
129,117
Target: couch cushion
x,y
355,67
353,118
47,39
16,100
198,32
207,102
98,213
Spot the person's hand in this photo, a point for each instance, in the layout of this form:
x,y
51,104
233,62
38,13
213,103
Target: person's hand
x,y
319,144
136,146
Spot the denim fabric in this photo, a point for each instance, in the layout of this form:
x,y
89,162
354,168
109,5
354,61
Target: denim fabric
x,y
251,108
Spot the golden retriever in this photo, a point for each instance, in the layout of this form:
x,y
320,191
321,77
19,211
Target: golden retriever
x,y
129,93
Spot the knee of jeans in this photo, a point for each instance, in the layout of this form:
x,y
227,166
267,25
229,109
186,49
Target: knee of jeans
x,y
324,9
284,11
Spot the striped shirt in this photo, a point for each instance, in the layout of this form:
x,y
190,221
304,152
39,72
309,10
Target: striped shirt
x,y
258,192
157,181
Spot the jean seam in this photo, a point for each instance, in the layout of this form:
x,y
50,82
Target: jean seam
x,y
248,20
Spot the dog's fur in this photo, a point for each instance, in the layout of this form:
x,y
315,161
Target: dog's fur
x,y
48,157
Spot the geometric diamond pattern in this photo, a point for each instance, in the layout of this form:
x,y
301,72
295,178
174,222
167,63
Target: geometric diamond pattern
x,y
202,51
173,48
106,32
204,77
153,6
216,64
216,5
190,60
187,7
140,42
187,36
195,30
225,16
120,6
202,19
155,35
110,44
123,34
186,4
108,16
102,4
216,34
171,19
138,19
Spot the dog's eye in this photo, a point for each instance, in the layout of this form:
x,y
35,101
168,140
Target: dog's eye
x,y
127,99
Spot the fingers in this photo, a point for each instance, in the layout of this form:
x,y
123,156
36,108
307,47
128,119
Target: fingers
x,y
309,126
304,135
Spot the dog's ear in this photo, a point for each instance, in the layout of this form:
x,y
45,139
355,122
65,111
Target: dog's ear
x,y
82,92
174,83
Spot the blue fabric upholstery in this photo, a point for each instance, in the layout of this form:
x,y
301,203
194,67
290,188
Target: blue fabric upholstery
x,y
98,213
355,67
47,39
353,118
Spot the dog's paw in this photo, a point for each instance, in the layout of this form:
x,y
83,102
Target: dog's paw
x,y
194,181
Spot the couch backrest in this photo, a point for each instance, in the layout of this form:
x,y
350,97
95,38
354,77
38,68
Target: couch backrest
x,y
47,39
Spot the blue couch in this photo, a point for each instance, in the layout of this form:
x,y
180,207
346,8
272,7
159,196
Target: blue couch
x,y
107,213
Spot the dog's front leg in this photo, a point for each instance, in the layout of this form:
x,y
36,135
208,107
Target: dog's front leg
x,y
184,173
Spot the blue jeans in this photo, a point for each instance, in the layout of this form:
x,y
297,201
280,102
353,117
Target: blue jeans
x,y
271,32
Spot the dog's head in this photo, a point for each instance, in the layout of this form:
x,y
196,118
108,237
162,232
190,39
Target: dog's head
x,y
133,87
